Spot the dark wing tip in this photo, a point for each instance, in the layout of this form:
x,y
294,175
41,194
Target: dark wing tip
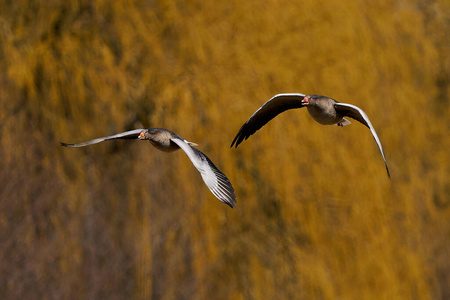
x,y
69,145
230,201
240,136
235,142
231,204
225,191
228,195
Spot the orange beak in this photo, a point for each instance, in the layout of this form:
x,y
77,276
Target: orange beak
x,y
141,136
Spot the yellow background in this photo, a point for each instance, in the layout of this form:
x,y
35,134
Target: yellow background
x,y
317,216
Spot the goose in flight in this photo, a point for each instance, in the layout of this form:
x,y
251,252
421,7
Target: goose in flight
x,y
167,141
324,110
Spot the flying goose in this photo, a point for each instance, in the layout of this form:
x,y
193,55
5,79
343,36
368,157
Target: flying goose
x,y
167,141
324,110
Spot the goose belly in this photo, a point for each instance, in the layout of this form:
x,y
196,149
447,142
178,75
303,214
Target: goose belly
x,y
327,116
165,146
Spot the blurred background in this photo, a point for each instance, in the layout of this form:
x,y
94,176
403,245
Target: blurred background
x,y
317,216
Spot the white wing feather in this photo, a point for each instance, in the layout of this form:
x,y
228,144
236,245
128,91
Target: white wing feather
x,y
124,135
214,179
358,110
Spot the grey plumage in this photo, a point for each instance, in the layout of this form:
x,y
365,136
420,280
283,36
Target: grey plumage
x,y
167,141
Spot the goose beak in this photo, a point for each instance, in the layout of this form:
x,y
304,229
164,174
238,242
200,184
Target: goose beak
x,y
141,136
305,101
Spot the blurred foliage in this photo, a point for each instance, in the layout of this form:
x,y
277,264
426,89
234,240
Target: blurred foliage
x,y
317,217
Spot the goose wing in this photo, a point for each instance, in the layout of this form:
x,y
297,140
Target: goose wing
x,y
359,115
214,179
269,110
132,134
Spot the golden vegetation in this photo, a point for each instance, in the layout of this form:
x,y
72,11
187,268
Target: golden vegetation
x,y
317,217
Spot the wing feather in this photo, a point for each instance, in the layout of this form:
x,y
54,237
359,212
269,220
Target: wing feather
x,y
269,110
132,134
214,179
359,115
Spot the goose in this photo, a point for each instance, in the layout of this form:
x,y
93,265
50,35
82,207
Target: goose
x,y
167,141
324,110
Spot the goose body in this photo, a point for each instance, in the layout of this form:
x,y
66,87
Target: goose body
x,y
323,110
167,141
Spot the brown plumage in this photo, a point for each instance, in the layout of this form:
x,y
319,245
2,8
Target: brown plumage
x,y
324,110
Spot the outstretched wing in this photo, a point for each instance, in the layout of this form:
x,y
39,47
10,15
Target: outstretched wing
x,y
276,105
359,115
132,134
216,181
